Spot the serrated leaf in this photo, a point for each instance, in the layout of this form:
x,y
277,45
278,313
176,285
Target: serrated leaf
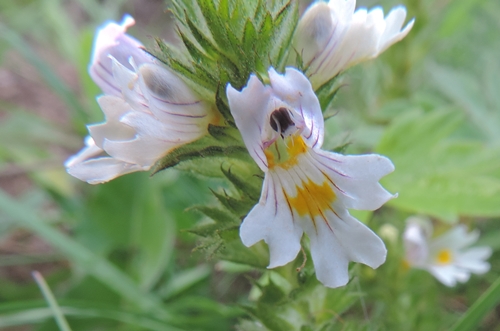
x,y
215,25
243,186
234,251
216,214
267,315
223,10
208,230
222,105
239,207
287,18
203,40
437,174
204,147
265,33
249,37
224,134
326,92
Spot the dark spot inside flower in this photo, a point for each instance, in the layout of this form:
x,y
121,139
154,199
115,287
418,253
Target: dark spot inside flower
x,y
280,120
157,84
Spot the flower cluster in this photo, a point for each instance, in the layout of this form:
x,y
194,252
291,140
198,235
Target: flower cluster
x,y
332,37
150,111
447,257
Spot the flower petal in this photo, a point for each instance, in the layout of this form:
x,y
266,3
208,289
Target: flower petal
x,y
416,246
111,40
152,140
101,170
449,275
338,239
295,89
114,109
271,220
474,258
356,177
332,43
393,33
89,151
248,108
168,97
455,239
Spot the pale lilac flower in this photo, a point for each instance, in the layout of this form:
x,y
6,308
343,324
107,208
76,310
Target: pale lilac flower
x,y
306,189
447,257
332,37
149,110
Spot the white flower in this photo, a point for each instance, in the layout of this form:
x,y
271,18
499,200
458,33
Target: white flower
x,y
447,257
331,37
305,188
149,110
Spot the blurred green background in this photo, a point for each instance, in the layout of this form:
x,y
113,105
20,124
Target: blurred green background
x,y
117,256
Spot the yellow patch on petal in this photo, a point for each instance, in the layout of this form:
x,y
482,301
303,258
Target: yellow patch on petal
x,y
284,152
444,256
312,199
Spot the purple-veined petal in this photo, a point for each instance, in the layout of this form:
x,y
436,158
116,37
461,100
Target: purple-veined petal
x,y
337,239
271,220
153,139
112,41
249,110
329,44
356,177
295,89
169,98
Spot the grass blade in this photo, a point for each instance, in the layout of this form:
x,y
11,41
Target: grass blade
x,y
51,300
479,309
96,266
58,86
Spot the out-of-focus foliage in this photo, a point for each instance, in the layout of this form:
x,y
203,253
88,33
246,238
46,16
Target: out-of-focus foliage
x,y
120,256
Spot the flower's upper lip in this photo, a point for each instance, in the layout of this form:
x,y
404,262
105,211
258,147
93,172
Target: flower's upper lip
x,y
253,106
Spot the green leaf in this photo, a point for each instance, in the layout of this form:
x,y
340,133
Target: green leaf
x,y
205,147
154,231
239,207
229,36
81,256
184,280
467,94
439,174
218,215
34,312
244,185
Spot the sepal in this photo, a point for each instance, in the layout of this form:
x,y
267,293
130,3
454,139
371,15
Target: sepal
x,y
226,42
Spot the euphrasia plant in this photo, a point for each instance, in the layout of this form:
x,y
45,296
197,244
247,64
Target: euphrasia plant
x,y
242,98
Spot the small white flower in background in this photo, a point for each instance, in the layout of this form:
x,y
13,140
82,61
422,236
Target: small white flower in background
x,y
332,37
447,257
149,110
305,188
